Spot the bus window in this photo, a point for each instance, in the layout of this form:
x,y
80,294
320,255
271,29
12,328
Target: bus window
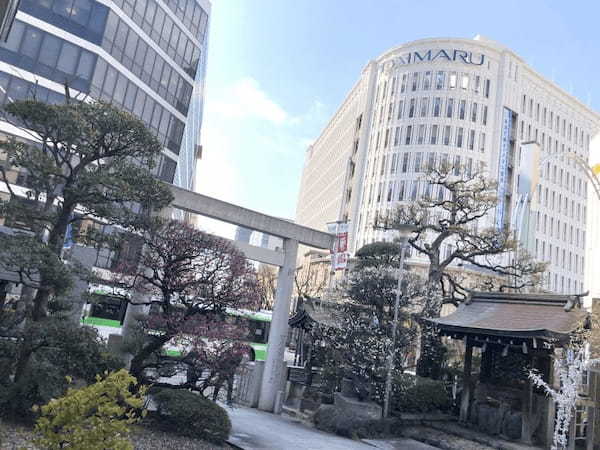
x,y
107,307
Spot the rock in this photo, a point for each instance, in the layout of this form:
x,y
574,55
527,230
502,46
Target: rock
x,y
352,407
512,426
489,420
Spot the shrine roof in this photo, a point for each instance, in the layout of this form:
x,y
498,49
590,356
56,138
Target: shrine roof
x,y
515,315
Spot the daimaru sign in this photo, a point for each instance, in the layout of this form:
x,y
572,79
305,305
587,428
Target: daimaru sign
x,y
444,55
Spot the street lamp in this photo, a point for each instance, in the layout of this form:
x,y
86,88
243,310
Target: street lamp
x,y
404,230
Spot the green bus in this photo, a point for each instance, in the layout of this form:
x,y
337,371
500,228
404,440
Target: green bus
x,y
108,304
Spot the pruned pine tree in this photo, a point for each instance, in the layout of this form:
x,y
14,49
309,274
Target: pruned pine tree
x,y
449,230
80,161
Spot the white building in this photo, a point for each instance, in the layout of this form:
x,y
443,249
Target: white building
x,y
472,102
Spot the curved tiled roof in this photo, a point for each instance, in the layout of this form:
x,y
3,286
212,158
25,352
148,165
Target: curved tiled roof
x,y
515,315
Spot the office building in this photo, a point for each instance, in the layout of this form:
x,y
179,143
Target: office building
x,y
472,103
147,57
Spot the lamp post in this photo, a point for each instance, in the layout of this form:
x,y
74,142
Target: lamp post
x,y
404,231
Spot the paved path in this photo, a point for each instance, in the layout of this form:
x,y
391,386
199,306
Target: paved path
x,y
258,430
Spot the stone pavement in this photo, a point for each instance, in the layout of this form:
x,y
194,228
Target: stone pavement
x,y
257,430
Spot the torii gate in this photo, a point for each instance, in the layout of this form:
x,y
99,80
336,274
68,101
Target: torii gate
x,y
292,235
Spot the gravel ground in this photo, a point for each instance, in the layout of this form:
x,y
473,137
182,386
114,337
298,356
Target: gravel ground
x,y
16,437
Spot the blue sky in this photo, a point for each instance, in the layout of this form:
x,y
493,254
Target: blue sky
x,y
278,69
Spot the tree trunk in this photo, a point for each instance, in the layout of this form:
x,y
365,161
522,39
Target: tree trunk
x,y
55,243
432,351
137,363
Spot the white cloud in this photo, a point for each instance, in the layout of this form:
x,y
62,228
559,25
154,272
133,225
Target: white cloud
x,y
245,99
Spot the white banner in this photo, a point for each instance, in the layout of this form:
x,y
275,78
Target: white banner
x,y
339,252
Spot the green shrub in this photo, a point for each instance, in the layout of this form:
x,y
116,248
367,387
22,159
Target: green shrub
x,y
185,413
420,395
95,417
62,349
328,419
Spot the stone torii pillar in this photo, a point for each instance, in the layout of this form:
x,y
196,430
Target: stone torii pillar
x,y
273,372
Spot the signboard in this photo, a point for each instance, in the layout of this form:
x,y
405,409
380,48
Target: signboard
x,y
442,55
339,252
503,168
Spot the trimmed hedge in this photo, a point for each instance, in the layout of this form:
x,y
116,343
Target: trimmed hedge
x,y
187,414
420,395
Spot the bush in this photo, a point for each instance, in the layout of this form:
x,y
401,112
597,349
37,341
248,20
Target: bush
x,y
62,349
185,413
328,419
95,417
420,395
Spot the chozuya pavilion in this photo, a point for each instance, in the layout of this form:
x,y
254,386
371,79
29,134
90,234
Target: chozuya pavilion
x,y
513,333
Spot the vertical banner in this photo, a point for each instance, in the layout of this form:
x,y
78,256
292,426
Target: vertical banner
x,y
503,168
339,252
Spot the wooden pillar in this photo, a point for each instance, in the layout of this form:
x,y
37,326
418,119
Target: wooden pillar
x,y
591,424
467,385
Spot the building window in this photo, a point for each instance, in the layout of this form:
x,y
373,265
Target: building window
x,y
486,89
482,142
462,106
405,157
421,135
394,163
464,84
427,81
452,80
415,81
424,106
449,107
434,135
471,142
408,136
430,160
397,136
446,139
456,165
411,108
459,137
477,84
400,109
403,83
418,160
414,191
440,79
474,112
437,106
401,189
484,115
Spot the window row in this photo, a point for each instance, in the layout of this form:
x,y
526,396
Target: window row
x,y
551,226
139,57
552,283
112,86
157,24
42,53
436,107
420,162
554,122
547,143
559,257
430,135
13,88
563,179
434,80
191,14
83,18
